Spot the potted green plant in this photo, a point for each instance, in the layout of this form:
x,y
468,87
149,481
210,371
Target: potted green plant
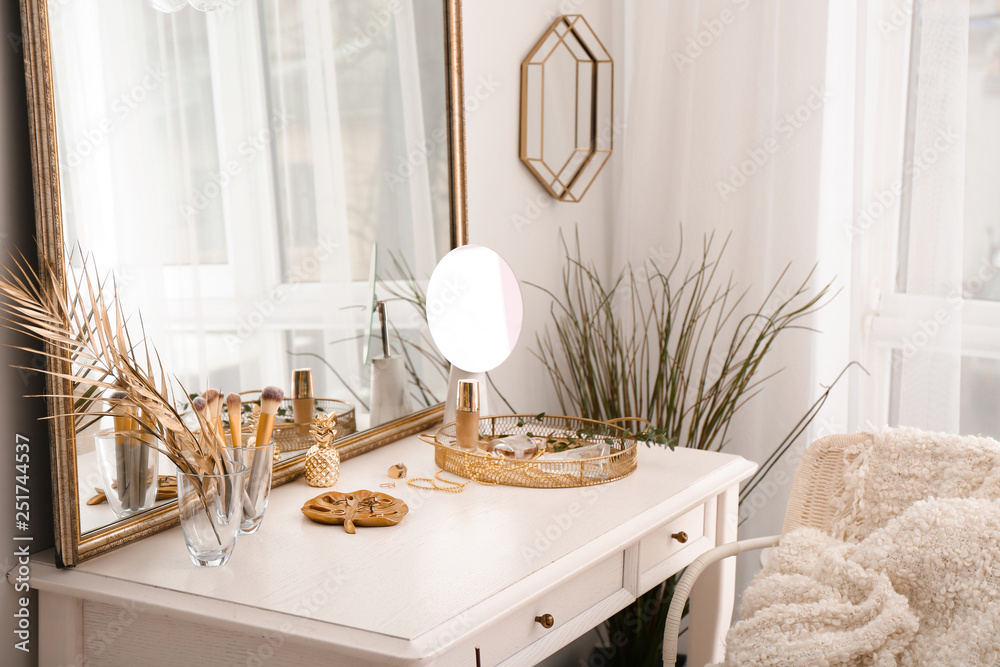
x,y
680,348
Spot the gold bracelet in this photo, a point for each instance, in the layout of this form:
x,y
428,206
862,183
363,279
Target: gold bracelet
x,y
453,487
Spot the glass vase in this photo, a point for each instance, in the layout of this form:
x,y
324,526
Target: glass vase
x,y
259,462
211,509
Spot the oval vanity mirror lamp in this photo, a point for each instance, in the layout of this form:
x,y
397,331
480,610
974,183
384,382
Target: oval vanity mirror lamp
x,y
474,313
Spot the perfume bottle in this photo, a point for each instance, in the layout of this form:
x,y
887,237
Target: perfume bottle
x,y
467,415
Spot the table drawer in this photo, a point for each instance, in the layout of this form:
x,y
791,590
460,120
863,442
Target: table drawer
x,y
661,551
519,629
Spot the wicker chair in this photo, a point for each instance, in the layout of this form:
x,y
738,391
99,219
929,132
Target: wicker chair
x,y
818,481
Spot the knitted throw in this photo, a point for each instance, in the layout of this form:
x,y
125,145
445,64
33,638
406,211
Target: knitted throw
x,y
911,575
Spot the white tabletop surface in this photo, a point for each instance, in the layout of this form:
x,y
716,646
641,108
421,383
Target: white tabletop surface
x,y
452,551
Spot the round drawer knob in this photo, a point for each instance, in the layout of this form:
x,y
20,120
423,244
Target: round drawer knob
x,y
681,537
546,621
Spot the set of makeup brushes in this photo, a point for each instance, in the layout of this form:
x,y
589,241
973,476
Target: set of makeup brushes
x,y
212,437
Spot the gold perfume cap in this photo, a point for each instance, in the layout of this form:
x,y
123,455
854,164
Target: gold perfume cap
x,y
302,383
468,396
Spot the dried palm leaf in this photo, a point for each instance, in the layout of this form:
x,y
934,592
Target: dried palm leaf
x,y
90,330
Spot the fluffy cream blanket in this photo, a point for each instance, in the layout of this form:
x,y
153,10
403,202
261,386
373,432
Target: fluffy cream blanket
x,y
911,575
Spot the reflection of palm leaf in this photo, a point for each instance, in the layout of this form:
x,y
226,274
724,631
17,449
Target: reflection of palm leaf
x,y
90,331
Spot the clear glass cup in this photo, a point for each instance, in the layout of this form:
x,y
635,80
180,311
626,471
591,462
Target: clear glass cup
x,y
211,509
259,462
129,470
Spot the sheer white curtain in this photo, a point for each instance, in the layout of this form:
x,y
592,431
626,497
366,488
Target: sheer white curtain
x,y
738,122
827,133
166,178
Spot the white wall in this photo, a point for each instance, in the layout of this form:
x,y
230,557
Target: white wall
x,y
509,210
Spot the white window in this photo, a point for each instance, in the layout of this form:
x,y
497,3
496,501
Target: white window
x,y
927,225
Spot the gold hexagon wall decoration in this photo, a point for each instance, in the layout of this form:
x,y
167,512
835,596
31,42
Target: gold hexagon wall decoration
x,y
567,84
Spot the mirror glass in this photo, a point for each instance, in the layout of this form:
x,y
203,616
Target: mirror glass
x,y
234,168
474,308
566,108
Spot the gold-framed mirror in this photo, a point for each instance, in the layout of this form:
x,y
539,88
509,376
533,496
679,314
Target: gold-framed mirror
x,y
233,169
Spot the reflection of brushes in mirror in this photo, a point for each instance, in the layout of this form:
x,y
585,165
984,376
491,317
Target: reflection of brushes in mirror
x,y
122,428
133,453
142,465
385,329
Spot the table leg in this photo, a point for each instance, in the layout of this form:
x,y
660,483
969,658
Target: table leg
x,y
714,592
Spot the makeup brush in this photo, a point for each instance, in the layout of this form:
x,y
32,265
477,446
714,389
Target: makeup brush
x,y
122,427
213,401
270,399
206,441
234,405
200,406
209,445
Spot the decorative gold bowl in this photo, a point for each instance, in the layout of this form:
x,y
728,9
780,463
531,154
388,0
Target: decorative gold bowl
x,y
554,434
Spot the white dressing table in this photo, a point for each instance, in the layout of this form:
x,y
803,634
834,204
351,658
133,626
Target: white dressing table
x,y
461,570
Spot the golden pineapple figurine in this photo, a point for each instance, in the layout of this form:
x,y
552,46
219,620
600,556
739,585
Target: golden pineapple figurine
x,y
322,464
